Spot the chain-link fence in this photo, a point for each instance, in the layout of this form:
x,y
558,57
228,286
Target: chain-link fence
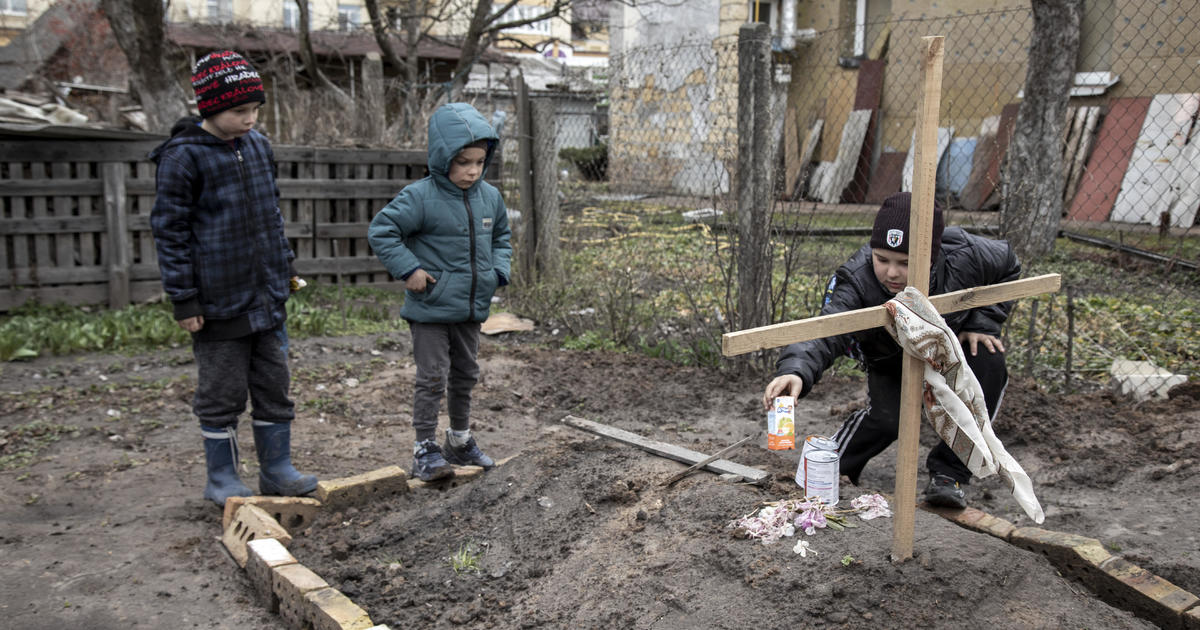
x,y
1129,248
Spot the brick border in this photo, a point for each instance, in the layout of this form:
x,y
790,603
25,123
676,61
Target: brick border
x,y
1113,579
256,538
257,541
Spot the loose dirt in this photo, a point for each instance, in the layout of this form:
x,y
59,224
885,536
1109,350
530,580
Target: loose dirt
x,y
104,526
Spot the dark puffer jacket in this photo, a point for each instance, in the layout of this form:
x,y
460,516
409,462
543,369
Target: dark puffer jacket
x,y
218,231
966,261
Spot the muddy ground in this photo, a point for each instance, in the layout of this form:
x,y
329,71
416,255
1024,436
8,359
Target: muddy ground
x,y
104,527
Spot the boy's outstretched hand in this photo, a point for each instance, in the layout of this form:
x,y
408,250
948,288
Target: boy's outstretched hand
x,y
192,324
786,385
973,339
417,280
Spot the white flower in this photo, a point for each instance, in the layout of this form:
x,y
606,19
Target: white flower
x,y
802,547
874,504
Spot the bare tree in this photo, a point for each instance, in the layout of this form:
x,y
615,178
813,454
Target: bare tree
x,y
1031,199
487,22
416,17
140,31
310,61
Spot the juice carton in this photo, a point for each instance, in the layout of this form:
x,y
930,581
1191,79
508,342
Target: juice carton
x,y
781,424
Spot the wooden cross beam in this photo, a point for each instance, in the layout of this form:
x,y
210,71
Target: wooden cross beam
x,y
921,229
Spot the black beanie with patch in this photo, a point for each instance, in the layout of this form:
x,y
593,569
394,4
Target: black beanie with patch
x,y
891,225
223,80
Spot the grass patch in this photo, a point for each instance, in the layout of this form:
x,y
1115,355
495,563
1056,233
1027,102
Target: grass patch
x,y
37,329
466,559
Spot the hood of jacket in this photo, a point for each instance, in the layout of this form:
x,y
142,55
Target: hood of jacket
x,y
452,127
186,129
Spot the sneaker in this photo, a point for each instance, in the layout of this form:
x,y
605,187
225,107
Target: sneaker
x,y
466,455
944,491
428,463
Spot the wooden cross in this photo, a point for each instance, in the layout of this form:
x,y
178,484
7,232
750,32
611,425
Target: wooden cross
x,y
921,228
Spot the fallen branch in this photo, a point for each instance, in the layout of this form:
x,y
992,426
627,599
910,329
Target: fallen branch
x,y
701,464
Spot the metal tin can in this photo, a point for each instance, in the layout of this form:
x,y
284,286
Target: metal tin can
x,y
813,443
821,476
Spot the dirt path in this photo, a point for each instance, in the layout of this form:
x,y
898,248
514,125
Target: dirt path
x,y
104,526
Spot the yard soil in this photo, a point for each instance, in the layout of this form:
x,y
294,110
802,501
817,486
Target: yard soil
x,y
106,527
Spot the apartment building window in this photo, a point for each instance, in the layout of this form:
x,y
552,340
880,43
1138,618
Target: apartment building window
x,y
219,11
13,7
522,12
349,17
291,15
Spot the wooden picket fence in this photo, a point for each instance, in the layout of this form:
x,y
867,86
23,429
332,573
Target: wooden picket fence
x,y
75,215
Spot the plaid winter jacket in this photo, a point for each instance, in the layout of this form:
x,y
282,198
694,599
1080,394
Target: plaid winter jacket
x,y
218,232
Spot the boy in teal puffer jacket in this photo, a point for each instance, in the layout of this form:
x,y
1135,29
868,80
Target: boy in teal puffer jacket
x,y
447,237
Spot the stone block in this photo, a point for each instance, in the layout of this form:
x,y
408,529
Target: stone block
x,y
331,610
462,474
295,514
262,556
1191,619
251,522
1142,380
359,489
976,520
291,583
1126,585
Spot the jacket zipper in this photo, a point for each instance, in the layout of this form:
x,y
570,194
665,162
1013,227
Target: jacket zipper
x,y
471,233
258,279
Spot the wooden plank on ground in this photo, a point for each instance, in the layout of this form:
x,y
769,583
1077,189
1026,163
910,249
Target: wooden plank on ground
x,y
1101,180
670,451
1146,187
784,333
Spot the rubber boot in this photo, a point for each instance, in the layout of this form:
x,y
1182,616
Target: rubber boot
x,y
221,455
277,476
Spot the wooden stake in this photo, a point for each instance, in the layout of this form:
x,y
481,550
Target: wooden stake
x,y
920,242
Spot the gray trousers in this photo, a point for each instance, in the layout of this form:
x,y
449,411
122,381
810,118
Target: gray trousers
x,y
231,368
445,355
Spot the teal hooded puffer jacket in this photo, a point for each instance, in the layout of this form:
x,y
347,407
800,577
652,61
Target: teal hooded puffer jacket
x,y
460,237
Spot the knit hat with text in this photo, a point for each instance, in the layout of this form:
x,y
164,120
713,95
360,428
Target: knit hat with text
x,y
224,80
891,225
